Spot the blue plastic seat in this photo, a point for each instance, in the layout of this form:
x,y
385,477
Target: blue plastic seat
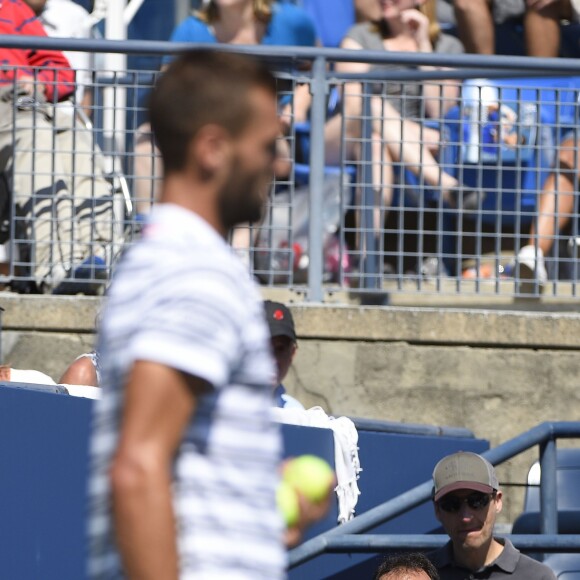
x,y
568,483
564,566
530,522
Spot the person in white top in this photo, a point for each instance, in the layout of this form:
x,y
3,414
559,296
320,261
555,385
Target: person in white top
x,y
184,455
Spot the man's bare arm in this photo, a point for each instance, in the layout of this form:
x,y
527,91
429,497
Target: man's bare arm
x,y
159,402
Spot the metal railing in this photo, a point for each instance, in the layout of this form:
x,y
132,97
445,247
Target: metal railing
x,y
399,187
350,536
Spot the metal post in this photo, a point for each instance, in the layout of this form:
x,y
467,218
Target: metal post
x,y
368,237
318,89
548,487
114,96
1,337
183,8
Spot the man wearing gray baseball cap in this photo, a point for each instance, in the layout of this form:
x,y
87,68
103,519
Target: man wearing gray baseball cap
x,y
467,500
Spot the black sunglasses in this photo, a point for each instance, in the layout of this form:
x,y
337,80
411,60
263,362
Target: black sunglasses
x,y
476,501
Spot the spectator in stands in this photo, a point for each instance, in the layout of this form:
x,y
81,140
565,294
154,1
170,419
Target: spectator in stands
x,y
467,500
476,18
51,167
397,108
283,340
84,370
411,566
556,207
249,22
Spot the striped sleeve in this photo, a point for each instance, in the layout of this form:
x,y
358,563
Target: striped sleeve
x,y
196,330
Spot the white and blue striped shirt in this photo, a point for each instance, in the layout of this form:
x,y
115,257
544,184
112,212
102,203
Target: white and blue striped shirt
x,y
182,299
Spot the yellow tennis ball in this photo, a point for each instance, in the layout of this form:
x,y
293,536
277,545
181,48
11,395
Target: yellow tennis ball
x,y
310,475
288,504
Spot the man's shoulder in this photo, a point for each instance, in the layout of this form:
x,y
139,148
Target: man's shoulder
x,y
530,569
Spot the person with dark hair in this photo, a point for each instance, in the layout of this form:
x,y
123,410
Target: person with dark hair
x,y
467,500
248,22
284,347
410,566
184,455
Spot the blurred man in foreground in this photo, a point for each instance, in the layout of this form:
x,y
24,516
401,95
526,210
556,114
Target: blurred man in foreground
x,y
184,455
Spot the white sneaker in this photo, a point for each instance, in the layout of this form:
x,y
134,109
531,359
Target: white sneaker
x,y
531,271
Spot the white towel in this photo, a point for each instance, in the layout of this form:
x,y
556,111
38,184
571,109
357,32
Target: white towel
x,y
346,458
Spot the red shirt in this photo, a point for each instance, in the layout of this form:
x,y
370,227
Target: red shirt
x,y
56,75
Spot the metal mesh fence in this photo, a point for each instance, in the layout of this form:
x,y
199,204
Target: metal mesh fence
x,y
384,184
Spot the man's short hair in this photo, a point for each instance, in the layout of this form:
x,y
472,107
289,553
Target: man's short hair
x,y
408,562
202,87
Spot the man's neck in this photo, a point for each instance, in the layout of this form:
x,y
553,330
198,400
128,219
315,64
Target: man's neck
x,y
194,195
477,558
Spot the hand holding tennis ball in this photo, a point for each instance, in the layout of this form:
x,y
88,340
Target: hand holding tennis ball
x,y
288,503
304,495
309,475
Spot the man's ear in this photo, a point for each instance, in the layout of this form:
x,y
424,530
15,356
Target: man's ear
x,y
498,502
437,511
294,349
211,148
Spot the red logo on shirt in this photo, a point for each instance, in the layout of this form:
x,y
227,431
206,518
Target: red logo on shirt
x,y
278,315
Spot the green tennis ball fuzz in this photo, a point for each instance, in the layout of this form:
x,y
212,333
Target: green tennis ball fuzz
x,y
310,475
288,504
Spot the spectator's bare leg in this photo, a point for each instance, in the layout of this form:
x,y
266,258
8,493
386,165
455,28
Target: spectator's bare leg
x,y
542,31
407,142
383,178
148,170
475,25
557,198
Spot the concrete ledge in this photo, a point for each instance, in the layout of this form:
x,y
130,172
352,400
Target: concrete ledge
x,y
49,313
426,325
439,326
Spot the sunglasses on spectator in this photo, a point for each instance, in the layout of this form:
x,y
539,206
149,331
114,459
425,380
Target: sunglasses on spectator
x,y
476,501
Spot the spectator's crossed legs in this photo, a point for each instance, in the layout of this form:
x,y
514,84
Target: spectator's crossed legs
x,y
63,202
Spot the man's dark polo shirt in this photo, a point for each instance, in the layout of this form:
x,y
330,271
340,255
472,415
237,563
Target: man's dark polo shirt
x,y
511,563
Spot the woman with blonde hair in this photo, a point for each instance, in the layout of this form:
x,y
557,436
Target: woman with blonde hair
x,y
246,22
398,108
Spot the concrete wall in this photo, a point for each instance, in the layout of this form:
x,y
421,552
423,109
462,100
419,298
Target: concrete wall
x,y
496,373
